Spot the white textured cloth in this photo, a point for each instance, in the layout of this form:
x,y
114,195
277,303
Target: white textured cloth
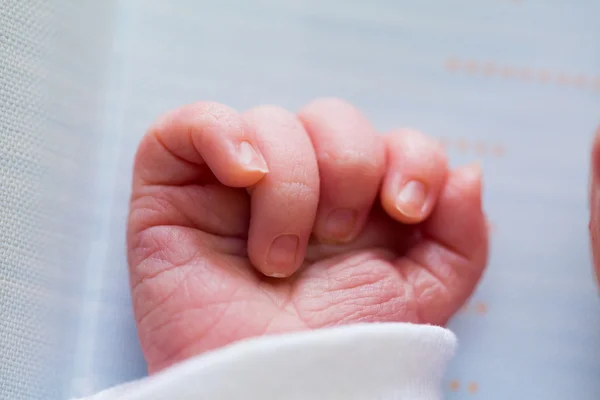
x,y
391,361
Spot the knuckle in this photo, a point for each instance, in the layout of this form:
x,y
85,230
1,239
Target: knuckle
x,y
297,192
147,210
210,108
349,162
418,147
267,119
207,110
157,249
362,289
216,118
433,296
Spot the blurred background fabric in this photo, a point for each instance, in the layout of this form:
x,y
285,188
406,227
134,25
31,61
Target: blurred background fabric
x,y
512,83
53,59
23,30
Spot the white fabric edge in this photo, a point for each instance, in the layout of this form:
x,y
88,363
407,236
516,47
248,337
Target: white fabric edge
x,y
360,361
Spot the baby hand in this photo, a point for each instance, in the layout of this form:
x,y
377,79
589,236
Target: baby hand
x,y
270,222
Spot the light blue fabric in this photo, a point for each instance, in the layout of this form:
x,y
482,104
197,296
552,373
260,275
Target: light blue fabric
x,y
23,32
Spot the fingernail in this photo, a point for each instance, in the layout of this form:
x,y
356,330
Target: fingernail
x,y
282,254
251,158
411,199
340,223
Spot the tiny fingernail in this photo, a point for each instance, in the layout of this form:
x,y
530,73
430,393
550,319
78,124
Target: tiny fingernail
x,y
411,199
340,223
251,158
282,254
277,275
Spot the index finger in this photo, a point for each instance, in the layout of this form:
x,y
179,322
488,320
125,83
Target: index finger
x,y
199,138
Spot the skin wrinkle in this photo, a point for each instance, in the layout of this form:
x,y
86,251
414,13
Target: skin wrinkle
x,y
397,307
141,181
351,261
283,307
439,287
351,159
339,293
156,205
151,256
351,317
197,140
280,294
215,326
205,308
294,295
201,196
159,140
202,308
377,304
363,169
289,190
174,354
166,297
408,290
361,298
276,118
449,248
433,247
270,322
195,290
358,283
135,242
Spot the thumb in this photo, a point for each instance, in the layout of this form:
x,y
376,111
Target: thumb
x,y
447,262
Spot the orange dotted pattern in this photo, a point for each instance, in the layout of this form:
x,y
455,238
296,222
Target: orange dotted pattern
x,y
479,148
486,68
473,388
479,308
457,386
482,148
